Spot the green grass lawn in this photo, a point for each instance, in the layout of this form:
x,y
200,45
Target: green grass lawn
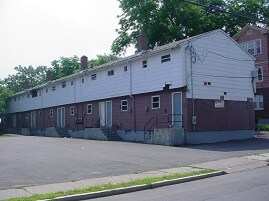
x,y
111,186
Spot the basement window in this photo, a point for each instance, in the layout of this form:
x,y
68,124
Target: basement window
x,y
165,58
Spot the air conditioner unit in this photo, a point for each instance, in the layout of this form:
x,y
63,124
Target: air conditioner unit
x,y
78,120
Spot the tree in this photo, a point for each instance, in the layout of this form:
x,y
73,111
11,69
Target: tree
x,y
4,94
165,21
35,76
102,59
64,66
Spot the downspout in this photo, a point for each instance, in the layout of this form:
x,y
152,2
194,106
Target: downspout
x,y
131,95
192,99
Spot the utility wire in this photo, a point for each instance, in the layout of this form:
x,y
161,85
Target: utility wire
x,y
218,8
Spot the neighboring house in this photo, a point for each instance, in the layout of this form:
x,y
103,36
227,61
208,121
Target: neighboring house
x,y
196,90
256,41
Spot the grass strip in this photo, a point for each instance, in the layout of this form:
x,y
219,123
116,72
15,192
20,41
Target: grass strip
x,y
4,135
110,186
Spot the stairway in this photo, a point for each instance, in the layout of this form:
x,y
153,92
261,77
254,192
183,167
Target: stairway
x,y
111,134
62,132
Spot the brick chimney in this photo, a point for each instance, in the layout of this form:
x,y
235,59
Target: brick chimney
x,y
142,42
26,84
48,75
83,63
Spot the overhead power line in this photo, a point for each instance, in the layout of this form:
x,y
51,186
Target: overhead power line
x,y
218,8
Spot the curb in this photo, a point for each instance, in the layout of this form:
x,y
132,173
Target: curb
x,y
135,188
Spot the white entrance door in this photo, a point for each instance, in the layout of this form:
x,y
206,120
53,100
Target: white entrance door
x,y
177,109
105,114
61,117
102,114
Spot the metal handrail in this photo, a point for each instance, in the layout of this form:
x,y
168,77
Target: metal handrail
x,y
157,122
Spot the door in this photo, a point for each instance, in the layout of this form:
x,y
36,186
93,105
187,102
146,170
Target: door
x,y
102,114
105,114
61,117
33,119
177,109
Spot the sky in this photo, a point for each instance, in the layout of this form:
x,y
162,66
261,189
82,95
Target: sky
x,y
36,32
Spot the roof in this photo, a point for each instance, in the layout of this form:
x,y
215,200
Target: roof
x,y
124,60
264,30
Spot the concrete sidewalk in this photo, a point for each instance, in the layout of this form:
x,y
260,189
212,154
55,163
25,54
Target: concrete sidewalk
x,y
229,165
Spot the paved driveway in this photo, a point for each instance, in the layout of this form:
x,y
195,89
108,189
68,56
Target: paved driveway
x,y
27,160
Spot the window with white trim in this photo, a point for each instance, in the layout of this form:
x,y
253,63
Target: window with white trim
x,y
110,73
124,105
63,84
145,64
93,77
72,110
259,74
51,112
125,68
258,99
253,46
165,58
89,109
155,102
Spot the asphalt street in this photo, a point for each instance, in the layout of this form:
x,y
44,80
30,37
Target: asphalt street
x,y
252,185
29,160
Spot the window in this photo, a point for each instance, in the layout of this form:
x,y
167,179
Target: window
x,y
155,102
110,72
93,77
51,112
124,105
89,109
63,84
15,99
40,114
47,90
144,64
258,102
72,110
82,80
165,58
259,74
249,32
53,88
72,83
125,68
253,46
39,93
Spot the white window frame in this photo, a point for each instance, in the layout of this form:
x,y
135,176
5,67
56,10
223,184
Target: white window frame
x,y
145,63
93,77
258,100
72,110
122,106
51,112
159,102
110,72
63,84
165,58
246,46
261,74
88,108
